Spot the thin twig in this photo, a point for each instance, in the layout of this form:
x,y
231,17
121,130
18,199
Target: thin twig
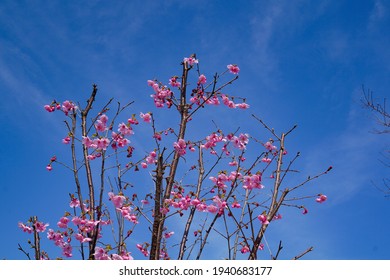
x,y
304,253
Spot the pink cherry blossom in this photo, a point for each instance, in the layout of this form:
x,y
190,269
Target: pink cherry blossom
x,y
212,140
239,142
157,136
277,217
101,143
235,204
77,221
144,201
91,157
132,120
103,118
212,208
266,160
151,158
162,94
191,147
116,257
242,105
202,79
40,227
244,249
131,218
146,117
25,228
67,250
66,140
190,60
234,175
202,207
321,198
100,126
180,146
54,236
220,180
74,202
195,202
213,100
252,182
101,254
164,210
261,247
173,81
49,108
220,203
119,140
226,101
87,142
117,200
268,145
143,250
305,211
233,68
68,106
263,219
123,256
125,129
105,222
49,167
63,223
82,238
168,234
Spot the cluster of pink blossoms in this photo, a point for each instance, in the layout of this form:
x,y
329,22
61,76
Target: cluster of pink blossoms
x,y
101,123
62,239
99,143
184,202
67,106
253,181
39,227
249,182
191,60
58,239
240,142
150,159
245,249
199,98
162,94
174,82
143,249
119,139
126,210
147,117
180,146
181,201
101,254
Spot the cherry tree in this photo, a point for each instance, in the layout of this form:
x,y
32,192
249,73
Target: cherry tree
x,y
211,184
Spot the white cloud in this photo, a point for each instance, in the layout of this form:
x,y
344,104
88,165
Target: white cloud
x,y
378,13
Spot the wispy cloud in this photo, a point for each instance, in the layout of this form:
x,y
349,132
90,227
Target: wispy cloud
x,y
378,13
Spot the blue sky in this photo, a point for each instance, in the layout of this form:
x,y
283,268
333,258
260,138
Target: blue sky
x,y
302,62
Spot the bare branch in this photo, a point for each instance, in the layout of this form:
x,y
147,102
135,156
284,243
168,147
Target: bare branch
x,y
303,253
